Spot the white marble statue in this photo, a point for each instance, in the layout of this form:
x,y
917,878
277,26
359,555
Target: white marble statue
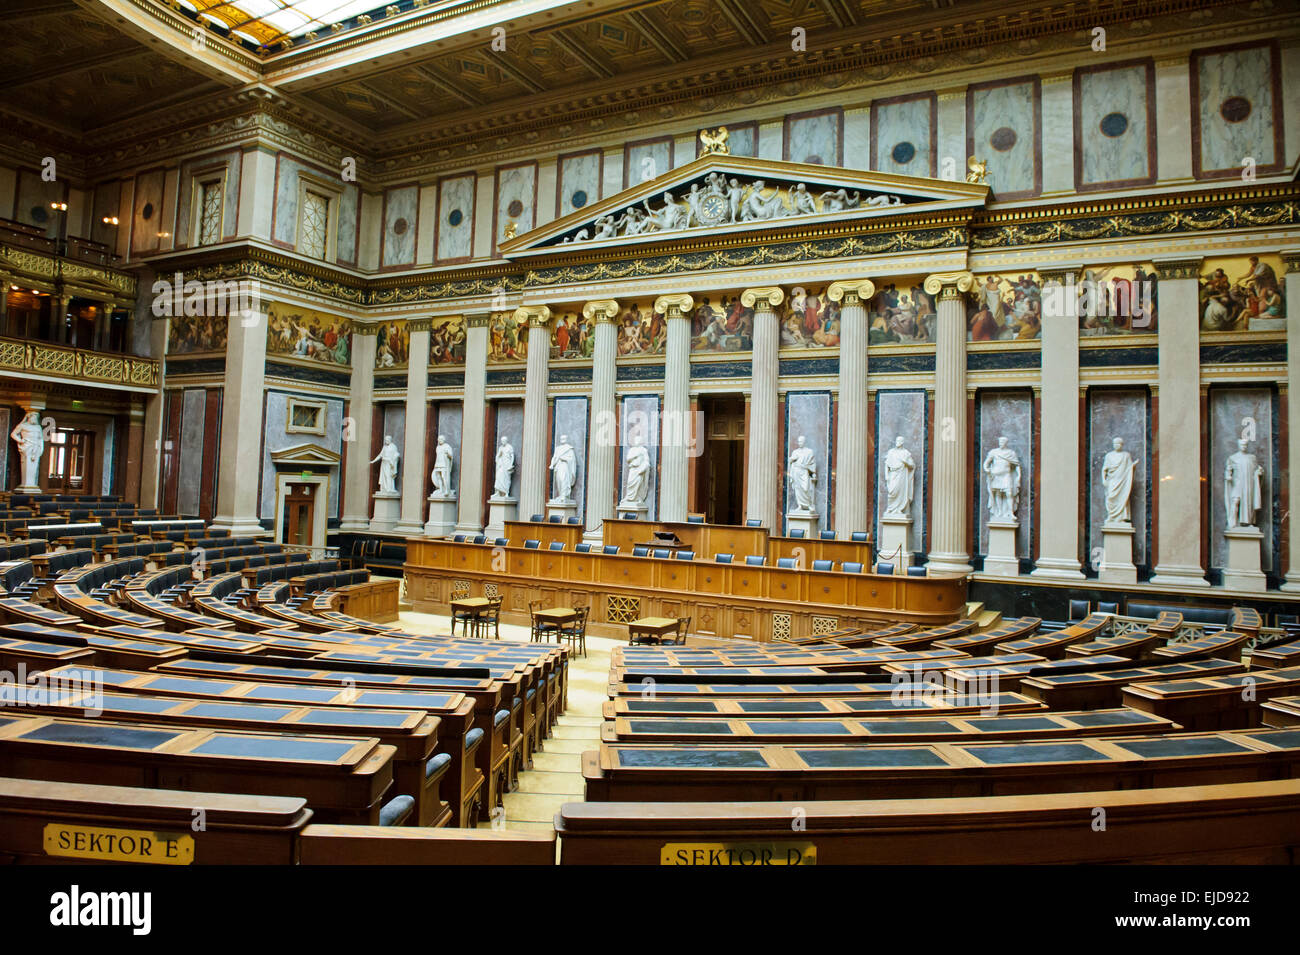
x,y
387,458
564,462
803,475
31,445
636,484
802,201
505,468
759,207
837,200
442,463
1242,487
900,475
1002,465
1117,478
672,215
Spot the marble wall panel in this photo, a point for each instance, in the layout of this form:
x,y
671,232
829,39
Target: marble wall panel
x,y
278,438
1119,413
816,138
903,414
455,229
903,135
645,160
1236,109
516,200
577,182
510,424
742,139
450,426
571,422
1114,125
808,413
1009,413
1003,127
639,424
1237,413
193,419
401,215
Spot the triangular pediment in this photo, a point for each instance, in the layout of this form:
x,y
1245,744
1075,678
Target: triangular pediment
x,y
723,194
305,455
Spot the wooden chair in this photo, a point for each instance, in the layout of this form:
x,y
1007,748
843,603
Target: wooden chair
x,y
679,638
467,619
575,631
489,618
540,627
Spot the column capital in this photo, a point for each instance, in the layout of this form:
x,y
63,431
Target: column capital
x,y
364,329
1291,259
852,292
1063,275
770,294
536,316
949,284
674,306
1178,267
478,319
419,325
601,310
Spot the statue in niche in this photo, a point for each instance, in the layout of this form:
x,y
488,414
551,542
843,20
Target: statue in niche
x,y
1002,465
802,469
900,474
387,458
1242,487
505,468
30,438
564,462
636,484
442,463
1117,478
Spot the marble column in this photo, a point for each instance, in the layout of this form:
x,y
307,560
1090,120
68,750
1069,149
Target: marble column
x,y
602,441
151,461
949,532
534,477
676,428
473,421
764,464
1292,259
852,504
242,427
417,412
356,431
1178,438
1058,523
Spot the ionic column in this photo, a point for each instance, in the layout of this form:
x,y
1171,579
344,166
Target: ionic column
x,y
1178,436
852,510
1292,260
473,421
417,410
602,442
534,477
1058,523
949,534
675,434
764,463
361,395
242,426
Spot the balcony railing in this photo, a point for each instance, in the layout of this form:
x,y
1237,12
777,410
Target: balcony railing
x,y
59,361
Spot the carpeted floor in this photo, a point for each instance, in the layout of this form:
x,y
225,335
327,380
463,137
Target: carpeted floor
x,y
556,776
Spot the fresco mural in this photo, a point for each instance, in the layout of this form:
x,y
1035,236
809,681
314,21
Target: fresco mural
x,y
1117,300
307,334
809,319
641,330
392,344
901,313
447,341
190,334
1243,294
1004,309
573,337
722,326
507,338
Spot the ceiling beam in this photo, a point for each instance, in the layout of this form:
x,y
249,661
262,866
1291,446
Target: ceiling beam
x,y
745,21
388,99
29,9
516,73
447,86
575,48
57,70
658,37
841,12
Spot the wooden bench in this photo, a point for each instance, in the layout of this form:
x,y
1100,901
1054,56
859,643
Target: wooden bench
x,y
919,639
1097,689
1280,655
984,642
1236,824
938,703
1213,703
1223,645
1281,711
1134,644
1052,646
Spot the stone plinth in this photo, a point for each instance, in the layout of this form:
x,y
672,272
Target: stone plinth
x,y
388,508
1002,559
442,516
564,509
807,521
1117,555
1243,570
895,538
500,510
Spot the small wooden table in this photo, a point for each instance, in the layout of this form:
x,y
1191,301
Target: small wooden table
x,y
556,616
474,606
657,627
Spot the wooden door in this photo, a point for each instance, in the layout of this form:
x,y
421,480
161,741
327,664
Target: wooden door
x,y
299,514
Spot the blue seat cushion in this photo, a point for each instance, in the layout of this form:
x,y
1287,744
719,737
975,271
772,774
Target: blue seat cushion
x,y
473,738
396,810
436,764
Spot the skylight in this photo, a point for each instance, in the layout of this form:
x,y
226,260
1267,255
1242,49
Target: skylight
x,y
269,21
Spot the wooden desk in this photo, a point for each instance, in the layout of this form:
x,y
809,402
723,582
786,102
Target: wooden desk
x,y
658,627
